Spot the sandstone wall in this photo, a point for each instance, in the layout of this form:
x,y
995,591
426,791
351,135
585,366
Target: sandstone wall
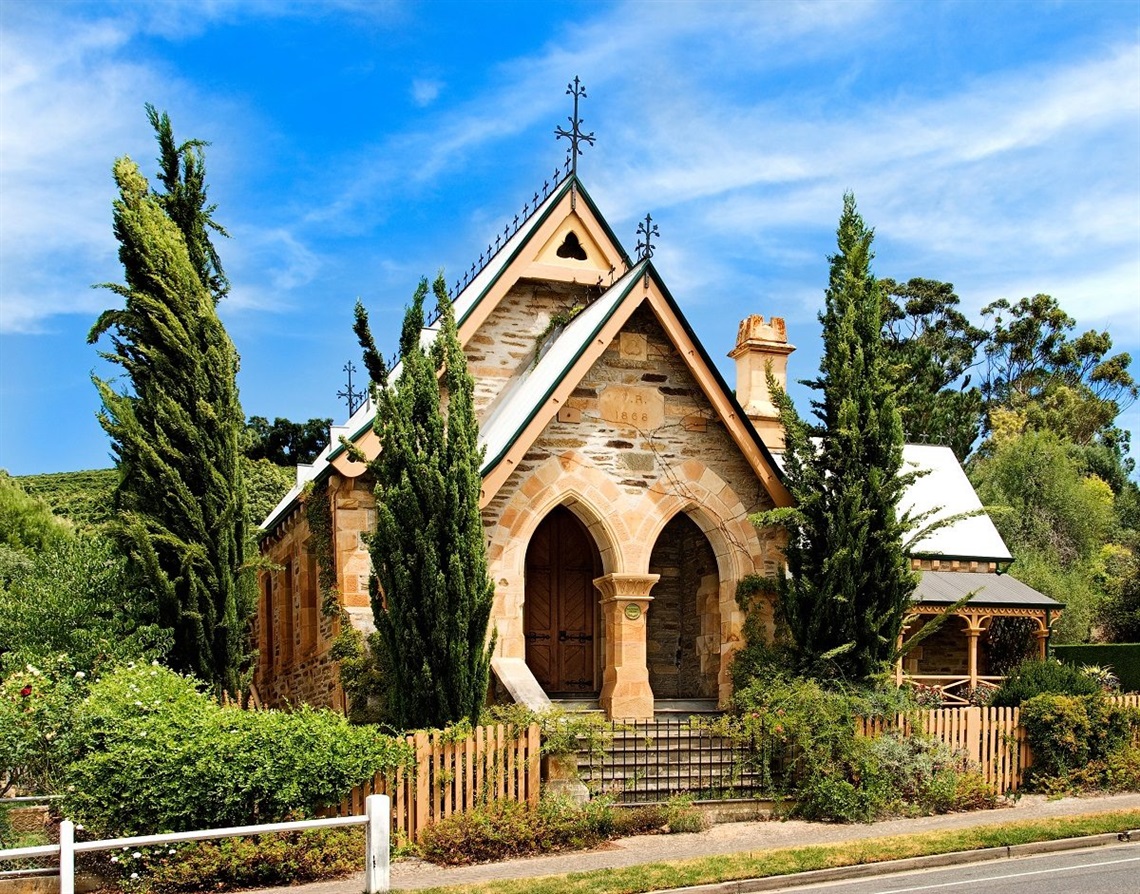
x,y
636,443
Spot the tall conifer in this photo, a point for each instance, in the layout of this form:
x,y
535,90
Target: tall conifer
x,y
849,582
176,432
431,594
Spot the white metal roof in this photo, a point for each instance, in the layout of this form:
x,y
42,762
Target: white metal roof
x,y
945,491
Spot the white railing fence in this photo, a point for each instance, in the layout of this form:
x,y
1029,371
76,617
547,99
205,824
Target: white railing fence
x,y
376,819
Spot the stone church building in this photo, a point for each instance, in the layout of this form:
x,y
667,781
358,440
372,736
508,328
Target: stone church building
x,y
619,474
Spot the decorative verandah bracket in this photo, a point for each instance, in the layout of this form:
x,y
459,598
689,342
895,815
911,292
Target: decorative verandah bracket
x,y
626,694
975,622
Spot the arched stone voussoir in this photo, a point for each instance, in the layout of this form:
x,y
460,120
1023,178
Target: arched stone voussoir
x,y
581,489
715,508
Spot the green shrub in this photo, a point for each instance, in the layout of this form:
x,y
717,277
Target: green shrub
x,y
26,522
156,754
1073,738
225,864
972,792
640,820
1032,678
808,750
506,829
682,816
837,799
1123,658
1122,770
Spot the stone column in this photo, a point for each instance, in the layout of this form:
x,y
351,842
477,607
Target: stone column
x,y
625,681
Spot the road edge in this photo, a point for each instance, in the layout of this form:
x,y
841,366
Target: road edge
x,y
888,867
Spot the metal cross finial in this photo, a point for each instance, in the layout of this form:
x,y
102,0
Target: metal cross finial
x,y
648,229
575,134
354,398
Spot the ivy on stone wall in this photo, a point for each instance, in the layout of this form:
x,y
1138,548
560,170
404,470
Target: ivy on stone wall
x,y
347,650
318,516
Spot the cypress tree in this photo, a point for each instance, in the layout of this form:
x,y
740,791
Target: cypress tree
x,y
182,171
849,582
175,434
431,595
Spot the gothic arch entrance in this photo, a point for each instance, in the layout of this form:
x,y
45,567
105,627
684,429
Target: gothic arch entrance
x,y
683,635
560,611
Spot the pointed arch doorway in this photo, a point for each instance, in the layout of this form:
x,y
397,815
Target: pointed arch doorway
x,y
684,630
560,612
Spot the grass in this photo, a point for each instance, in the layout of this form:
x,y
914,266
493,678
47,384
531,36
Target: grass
x,y
761,864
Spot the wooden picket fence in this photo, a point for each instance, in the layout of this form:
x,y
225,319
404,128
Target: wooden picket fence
x,y
991,738
453,775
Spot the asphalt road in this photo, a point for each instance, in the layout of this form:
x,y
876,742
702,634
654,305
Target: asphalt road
x,y
1098,870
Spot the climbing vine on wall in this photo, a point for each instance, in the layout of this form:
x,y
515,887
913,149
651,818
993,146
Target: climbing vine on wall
x,y
348,647
318,516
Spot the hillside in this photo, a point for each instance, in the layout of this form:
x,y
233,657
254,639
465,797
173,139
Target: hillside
x,y
87,498
84,498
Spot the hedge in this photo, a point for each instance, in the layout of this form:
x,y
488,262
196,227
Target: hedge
x,y
1123,658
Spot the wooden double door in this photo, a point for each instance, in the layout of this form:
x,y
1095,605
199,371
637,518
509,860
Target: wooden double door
x,y
561,608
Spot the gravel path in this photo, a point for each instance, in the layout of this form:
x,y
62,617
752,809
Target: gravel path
x,y
729,838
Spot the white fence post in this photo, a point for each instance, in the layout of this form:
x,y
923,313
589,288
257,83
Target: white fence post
x,y
376,870
66,857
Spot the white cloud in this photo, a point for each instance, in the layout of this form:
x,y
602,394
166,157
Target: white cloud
x,y
425,92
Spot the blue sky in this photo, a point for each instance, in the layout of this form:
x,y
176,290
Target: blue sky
x,y
357,146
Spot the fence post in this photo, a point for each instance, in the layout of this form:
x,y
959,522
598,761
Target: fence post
x,y
376,854
974,734
66,857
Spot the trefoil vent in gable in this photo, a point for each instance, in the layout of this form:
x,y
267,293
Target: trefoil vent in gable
x,y
571,248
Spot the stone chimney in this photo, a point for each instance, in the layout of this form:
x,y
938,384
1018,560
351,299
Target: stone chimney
x,y
759,344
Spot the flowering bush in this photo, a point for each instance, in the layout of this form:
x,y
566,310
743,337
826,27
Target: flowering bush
x,y
35,710
926,696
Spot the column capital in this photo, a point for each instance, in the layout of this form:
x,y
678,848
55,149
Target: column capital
x,y
618,585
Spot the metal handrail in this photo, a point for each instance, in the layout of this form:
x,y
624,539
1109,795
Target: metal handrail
x,y
376,816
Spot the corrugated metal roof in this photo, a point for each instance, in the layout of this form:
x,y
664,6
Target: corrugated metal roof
x,y
994,590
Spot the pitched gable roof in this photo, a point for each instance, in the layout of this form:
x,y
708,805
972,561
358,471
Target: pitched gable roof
x,y
942,492
533,252
535,399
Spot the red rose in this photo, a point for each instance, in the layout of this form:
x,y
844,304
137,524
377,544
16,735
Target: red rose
x,y
26,691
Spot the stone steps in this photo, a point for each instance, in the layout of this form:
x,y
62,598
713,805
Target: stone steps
x,y
654,760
